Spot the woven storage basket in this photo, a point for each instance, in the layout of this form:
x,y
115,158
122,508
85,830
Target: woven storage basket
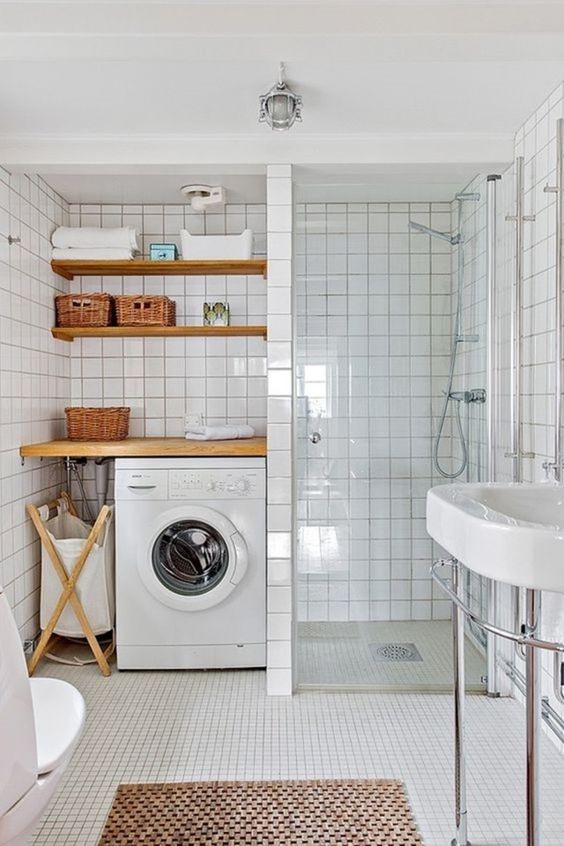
x,y
97,424
83,309
145,311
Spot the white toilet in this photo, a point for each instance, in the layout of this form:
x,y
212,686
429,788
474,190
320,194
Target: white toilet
x,y
41,721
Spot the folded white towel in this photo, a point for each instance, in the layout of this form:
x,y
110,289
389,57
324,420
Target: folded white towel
x,y
95,237
219,433
92,254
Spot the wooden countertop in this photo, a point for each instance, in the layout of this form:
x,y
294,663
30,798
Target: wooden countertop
x,y
145,448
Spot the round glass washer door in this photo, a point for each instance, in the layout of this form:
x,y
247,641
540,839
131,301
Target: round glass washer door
x,y
190,557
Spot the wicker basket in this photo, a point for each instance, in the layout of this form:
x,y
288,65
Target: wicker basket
x,y
145,311
83,309
97,424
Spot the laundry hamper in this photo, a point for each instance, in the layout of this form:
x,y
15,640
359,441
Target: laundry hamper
x,y
95,586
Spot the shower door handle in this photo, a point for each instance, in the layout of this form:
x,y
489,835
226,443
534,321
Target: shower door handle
x,y
315,437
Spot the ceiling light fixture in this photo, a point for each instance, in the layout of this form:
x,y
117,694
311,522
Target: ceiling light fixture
x,y
280,107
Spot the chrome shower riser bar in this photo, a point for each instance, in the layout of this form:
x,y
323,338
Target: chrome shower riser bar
x,y
490,393
555,466
519,218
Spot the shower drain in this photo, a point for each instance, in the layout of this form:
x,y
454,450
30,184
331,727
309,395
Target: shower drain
x,y
388,652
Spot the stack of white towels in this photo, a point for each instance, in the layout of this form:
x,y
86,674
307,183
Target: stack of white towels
x,y
93,242
226,432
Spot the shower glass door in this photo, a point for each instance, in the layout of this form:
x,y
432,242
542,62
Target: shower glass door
x,y
373,336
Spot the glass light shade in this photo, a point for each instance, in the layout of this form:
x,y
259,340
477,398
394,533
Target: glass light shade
x,y
280,110
280,107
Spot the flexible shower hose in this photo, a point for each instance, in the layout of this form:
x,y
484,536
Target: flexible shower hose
x,y
436,462
455,341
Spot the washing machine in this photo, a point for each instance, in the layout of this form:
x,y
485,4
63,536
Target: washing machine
x,y
190,563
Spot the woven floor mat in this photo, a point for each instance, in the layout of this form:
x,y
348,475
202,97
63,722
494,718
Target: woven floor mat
x,y
261,813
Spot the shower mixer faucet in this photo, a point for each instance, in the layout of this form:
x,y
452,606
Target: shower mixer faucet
x,y
474,395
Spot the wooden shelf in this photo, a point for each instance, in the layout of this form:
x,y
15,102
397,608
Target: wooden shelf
x,y
145,267
145,447
62,333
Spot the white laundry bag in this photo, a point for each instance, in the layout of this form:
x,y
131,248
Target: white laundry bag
x,y
95,586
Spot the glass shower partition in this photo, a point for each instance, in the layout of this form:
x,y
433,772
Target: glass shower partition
x,y
374,321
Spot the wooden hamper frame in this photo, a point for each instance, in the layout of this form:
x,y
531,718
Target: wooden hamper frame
x,y
68,583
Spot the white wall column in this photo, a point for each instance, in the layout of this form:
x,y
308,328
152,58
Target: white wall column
x,y
280,424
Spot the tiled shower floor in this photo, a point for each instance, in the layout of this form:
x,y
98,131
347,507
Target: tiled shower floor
x,y
220,725
339,654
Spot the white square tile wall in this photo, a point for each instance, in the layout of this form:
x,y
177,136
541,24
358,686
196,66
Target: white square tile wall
x,y
536,142
280,430
373,314
34,380
222,379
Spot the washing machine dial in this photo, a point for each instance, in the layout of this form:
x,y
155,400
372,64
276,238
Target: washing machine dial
x,y
243,486
239,486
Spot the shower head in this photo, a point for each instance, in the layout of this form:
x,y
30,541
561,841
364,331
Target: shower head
x,y
434,233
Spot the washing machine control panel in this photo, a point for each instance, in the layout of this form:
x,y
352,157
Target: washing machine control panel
x,y
207,484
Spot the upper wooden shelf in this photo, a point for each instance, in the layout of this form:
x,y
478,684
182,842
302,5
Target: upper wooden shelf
x,y
145,267
69,333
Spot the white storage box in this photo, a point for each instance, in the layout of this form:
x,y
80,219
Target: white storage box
x,y
95,587
217,246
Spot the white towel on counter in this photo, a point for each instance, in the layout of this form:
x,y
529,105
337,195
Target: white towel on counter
x,y
95,237
90,255
219,433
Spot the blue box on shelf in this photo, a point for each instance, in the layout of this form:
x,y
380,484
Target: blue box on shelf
x,y
163,252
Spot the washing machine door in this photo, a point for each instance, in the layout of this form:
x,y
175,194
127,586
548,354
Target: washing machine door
x,y
194,558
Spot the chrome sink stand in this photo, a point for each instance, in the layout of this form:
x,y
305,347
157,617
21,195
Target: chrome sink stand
x,y
532,643
533,705
460,807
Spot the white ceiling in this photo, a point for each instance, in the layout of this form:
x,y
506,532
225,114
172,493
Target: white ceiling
x,y
314,183
126,88
212,97
155,188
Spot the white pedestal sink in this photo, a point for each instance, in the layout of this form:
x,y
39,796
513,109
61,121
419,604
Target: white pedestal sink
x,y
511,533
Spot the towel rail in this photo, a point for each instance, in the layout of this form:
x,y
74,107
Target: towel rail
x,y
523,639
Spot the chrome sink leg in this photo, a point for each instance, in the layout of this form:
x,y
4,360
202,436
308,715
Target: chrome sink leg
x,y
461,812
534,707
